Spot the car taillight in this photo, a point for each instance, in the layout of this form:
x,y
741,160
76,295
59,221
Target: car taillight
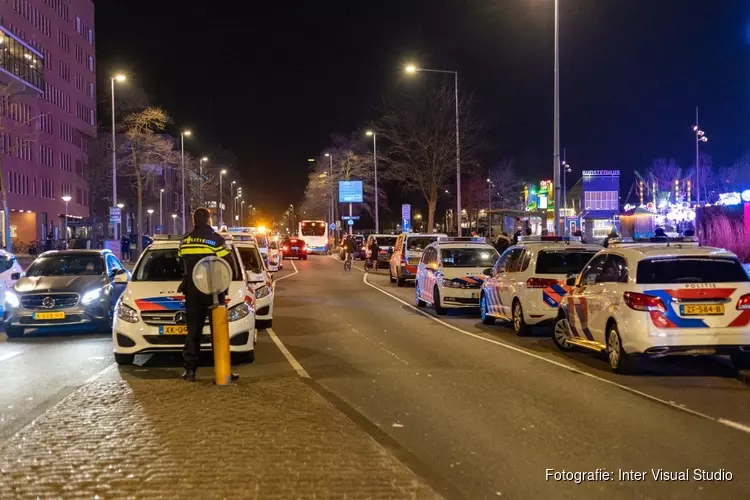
x,y
643,302
744,303
540,282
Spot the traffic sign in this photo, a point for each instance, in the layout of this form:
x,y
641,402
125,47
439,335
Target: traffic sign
x,y
332,227
350,217
351,222
115,214
405,218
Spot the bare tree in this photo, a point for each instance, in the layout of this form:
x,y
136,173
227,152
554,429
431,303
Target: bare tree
x,y
144,153
663,172
421,137
507,186
16,131
473,192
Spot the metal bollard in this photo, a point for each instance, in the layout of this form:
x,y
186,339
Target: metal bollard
x,y
222,356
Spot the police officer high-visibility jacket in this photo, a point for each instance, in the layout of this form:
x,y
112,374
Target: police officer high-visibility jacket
x,y
201,242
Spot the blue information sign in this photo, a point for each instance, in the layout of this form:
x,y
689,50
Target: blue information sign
x,y
405,218
350,192
332,226
351,222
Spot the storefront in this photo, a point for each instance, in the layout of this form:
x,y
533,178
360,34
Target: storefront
x,y
601,203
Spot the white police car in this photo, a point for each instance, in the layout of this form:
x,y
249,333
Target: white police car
x,y
451,272
528,282
10,271
658,299
150,314
258,278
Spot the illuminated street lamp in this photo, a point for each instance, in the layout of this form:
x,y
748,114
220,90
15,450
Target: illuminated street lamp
x,y
221,188
116,78
412,69
174,223
201,161
66,199
182,160
150,227
161,210
330,180
375,164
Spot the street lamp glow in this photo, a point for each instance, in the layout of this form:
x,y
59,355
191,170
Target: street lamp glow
x,y
174,216
66,199
120,77
312,160
410,68
161,190
187,132
327,155
150,211
119,205
224,171
369,133
205,158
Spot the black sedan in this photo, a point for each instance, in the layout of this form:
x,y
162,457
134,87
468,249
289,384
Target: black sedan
x,y
294,247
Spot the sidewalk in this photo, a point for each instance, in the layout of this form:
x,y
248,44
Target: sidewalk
x,y
141,438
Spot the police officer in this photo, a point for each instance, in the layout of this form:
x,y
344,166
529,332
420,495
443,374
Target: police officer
x,y
201,242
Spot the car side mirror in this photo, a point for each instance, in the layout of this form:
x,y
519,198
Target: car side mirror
x,y
487,272
122,277
16,276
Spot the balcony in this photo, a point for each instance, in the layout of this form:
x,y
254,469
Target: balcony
x,y
20,64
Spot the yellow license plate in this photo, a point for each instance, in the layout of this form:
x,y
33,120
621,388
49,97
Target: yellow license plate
x,y
702,310
174,330
50,315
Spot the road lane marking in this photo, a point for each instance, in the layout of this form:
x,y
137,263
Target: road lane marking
x,y
520,350
288,355
287,275
8,355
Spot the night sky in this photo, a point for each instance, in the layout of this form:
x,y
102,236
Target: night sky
x,y
271,82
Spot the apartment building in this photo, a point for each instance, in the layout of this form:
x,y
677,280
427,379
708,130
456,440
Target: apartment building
x,y
47,114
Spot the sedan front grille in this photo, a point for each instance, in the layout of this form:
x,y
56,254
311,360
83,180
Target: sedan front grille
x,y
165,317
49,301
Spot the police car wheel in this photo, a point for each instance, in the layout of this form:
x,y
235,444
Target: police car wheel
x,y
619,360
561,333
519,325
486,318
264,323
439,309
124,359
740,360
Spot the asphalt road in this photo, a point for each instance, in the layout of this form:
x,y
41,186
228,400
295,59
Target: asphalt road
x,y
475,410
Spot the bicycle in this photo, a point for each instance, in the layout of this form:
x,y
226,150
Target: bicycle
x,y
348,262
368,265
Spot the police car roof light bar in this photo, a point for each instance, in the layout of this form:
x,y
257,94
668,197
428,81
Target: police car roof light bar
x,y
549,239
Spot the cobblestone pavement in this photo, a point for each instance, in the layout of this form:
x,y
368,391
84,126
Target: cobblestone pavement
x,y
170,439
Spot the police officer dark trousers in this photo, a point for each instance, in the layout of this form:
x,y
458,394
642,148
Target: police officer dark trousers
x,y
201,242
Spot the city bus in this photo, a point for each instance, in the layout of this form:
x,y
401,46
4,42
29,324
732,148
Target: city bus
x,y
315,235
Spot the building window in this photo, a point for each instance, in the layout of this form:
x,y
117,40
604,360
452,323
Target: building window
x,y
601,200
91,36
45,124
78,24
46,156
92,92
66,162
79,54
64,71
90,64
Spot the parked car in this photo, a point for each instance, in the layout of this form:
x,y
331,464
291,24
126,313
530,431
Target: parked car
x,y
407,253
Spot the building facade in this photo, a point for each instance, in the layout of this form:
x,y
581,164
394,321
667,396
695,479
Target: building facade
x,y
48,81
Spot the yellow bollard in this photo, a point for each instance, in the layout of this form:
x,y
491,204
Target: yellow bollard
x,y
222,356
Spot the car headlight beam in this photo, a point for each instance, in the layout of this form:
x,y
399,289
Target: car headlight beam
x,y
12,299
91,296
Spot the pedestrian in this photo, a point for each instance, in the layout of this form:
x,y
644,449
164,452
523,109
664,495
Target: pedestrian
x,y
48,242
516,235
612,234
201,242
528,231
125,247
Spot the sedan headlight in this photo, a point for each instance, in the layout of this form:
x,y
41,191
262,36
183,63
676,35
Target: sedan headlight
x,y
239,311
452,284
12,299
262,292
126,313
91,296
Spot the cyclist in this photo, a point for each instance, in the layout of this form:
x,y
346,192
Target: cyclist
x,y
348,250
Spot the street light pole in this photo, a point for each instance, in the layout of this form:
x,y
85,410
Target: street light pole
x,y
414,69
700,136
221,188
556,153
200,177
174,223
375,163
489,204
234,200
66,199
330,179
119,78
182,160
150,227
161,211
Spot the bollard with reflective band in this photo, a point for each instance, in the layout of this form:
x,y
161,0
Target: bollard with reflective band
x,y
213,276
222,356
